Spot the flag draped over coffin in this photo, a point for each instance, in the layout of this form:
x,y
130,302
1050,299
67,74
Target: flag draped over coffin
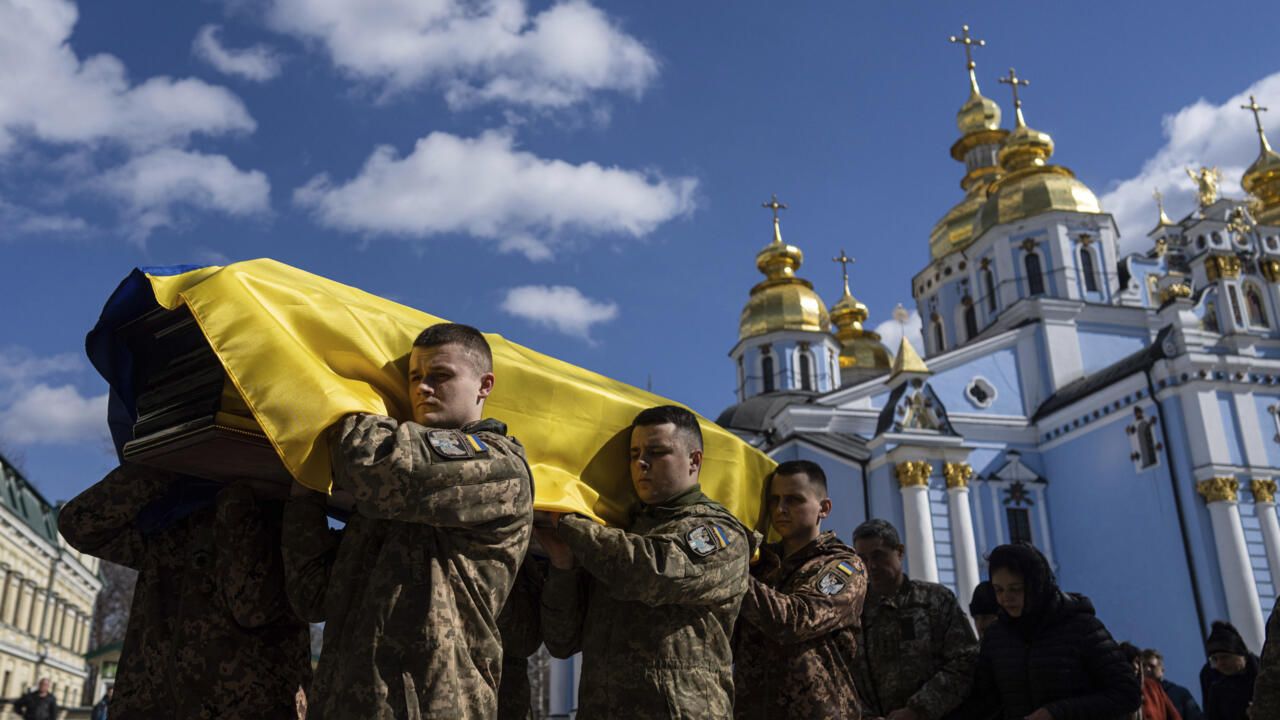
x,y
302,351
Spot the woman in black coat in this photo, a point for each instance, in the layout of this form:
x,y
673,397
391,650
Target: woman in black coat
x,y
1048,657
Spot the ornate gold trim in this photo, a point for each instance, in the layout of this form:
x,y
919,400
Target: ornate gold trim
x,y
1175,290
913,473
957,474
1264,491
1222,266
1219,489
1270,269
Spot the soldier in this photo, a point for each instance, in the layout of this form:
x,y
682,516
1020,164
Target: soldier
x,y
411,588
796,636
916,651
521,630
1266,689
210,634
650,607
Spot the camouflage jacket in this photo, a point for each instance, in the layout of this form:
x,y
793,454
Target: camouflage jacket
x,y
521,630
411,588
915,650
210,631
1266,689
796,637
651,608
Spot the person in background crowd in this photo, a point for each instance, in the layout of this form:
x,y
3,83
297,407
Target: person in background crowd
x,y
915,650
100,710
1183,700
1226,680
797,631
983,607
1155,704
39,704
1266,690
1048,657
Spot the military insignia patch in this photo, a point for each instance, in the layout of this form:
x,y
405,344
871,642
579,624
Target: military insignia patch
x,y
831,583
477,444
706,539
450,444
848,568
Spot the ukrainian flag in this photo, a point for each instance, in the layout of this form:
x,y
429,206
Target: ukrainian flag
x,y
301,351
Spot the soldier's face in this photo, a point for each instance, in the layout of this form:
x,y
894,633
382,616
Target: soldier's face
x,y
883,562
662,463
1011,591
1153,667
797,507
446,387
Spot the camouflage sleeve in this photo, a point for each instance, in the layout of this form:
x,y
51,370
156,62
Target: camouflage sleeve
x,y
957,650
308,549
702,561
519,622
100,520
249,568
829,601
393,474
564,607
1266,689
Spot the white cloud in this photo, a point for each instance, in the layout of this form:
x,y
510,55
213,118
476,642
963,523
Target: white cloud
x,y
891,332
153,186
475,52
54,96
258,63
16,220
487,188
19,366
1202,133
42,414
559,307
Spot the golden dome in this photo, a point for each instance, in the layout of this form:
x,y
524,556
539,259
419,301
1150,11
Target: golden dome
x,y
859,348
955,229
1262,179
978,113
782,301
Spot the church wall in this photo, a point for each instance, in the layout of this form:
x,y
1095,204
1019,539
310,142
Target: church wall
x,y
886,499
999,368
1268,425
1124,551
1230,428
1100,346
984,461
1262,575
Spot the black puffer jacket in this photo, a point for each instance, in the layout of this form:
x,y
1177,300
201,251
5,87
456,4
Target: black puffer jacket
x,y
1068,664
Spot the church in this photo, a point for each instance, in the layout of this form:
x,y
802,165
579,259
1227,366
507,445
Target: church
x,y
1121,413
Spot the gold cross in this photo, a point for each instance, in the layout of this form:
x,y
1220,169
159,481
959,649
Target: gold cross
x,y
1014,81
1257,120
844,261
968,44
775,206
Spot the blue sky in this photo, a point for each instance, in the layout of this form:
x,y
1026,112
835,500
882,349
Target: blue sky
x,y
583,178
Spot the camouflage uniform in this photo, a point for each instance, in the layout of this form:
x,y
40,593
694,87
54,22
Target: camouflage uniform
x,y
796,637
521,637
915,650
651,609
210,632
1266,689
411,588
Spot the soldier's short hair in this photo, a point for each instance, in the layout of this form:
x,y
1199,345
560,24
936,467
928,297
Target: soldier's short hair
x,y
877,528
810,469
457,334
686,422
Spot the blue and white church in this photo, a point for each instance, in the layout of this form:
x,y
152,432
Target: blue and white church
x,y
1121,413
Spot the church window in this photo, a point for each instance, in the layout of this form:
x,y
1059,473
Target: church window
x,y
980,393
1211,316
1200,242
1035,274
1142,441
766,370
1147,445
1019,525
742,379
1272,242
970,318
806,370
989,287
1234,297
1086,267
939,337
1217,238
831,367
1257,311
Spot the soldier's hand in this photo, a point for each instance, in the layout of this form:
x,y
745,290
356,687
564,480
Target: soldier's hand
x,y
557,550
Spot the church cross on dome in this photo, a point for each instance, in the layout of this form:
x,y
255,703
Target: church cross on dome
x,y
775,206
1257,120
968,43
1013,81
844,261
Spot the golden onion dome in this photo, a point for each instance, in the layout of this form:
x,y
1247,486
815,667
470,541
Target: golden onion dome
x,y
955,229
1262,179
978,113
782,301
859,348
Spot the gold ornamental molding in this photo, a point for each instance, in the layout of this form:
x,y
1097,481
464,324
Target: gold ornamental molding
x,y
1270,270
1222,266
1264,491
957,474
1219,489
1174,291
913,473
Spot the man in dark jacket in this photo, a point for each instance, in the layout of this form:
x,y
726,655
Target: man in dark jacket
x,y
39,704
796,636
1226,680
1266,690
915,649
1183,700
1048,657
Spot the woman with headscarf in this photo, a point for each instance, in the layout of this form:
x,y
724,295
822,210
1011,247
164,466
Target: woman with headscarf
x,y
1048,657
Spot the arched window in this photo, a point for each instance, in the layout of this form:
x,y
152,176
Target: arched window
x,y
1035,274
1147,444
742,379
806,370
989,287
1257,311
833,379
1234,297
766,370
939,337
1211,316
970,319
1086,267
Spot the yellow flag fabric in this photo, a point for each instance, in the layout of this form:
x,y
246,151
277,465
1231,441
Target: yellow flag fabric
x,y
303,351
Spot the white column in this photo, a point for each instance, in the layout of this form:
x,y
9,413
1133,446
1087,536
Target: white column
x,y
1238,584
922,559
963,546
564,691
1264,495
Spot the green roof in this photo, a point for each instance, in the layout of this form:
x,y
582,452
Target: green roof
x,y
21,498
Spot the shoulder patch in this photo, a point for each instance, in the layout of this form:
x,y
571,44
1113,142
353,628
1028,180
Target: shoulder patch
x,y
706,539
848,568
450,444
477,444
832,582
